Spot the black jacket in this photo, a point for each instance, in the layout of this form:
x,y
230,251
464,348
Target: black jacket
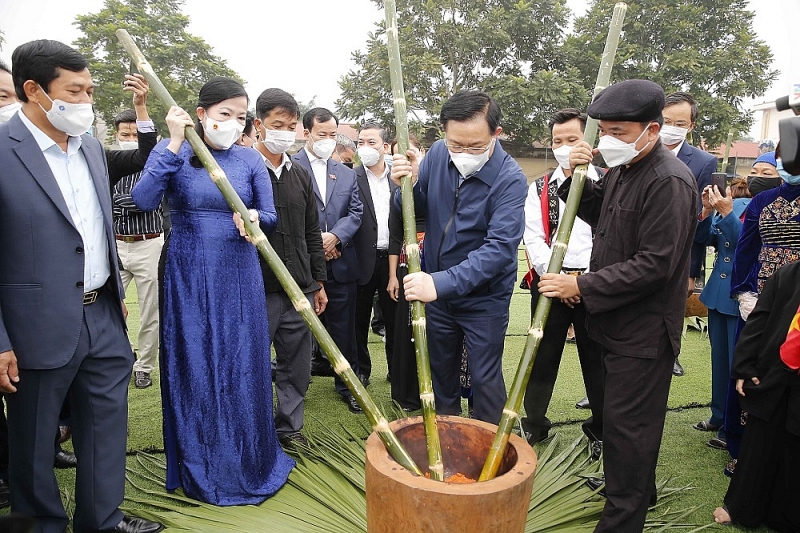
x,y
644,216
123,163
757,352
366,238
297,239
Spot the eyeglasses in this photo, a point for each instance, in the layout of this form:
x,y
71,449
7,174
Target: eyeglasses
x,y
458,149
677,124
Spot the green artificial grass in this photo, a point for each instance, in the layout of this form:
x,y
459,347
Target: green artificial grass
x,y
685,460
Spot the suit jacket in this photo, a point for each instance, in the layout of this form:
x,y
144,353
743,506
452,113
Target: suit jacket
x,y
42,259
340,214
702,164
366,239
757,352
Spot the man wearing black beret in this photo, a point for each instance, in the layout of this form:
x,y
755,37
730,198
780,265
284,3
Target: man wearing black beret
x,y
644,214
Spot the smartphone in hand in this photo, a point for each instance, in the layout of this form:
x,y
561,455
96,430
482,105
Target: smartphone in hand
x,y
720,179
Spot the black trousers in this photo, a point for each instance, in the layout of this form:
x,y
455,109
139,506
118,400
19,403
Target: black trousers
x,y
545,370
764,488
364,299
636,392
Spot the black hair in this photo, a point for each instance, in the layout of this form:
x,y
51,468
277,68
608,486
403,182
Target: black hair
x,y
4,67
129,115
679,97
214,91
466,105
318,114
276,99
375,125
40,60
562,116
248,123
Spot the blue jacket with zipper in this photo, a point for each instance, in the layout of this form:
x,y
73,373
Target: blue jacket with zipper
x,y
473,228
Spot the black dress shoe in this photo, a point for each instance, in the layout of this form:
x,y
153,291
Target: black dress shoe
x,y
291,441
142,379
597,450
595,483
352,404
5,494
65,459
677,369
364,379
134,524
583,404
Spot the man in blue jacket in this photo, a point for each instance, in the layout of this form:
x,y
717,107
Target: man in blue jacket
x,y
472,194
680,117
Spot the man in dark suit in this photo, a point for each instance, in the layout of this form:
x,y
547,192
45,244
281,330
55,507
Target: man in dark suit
x,y
372,242
340,213
680,117
62,329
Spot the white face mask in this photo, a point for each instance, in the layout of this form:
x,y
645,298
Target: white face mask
x,y
368,155
562,155
672,135
72,119
222,135
468,164
8,111
128,145
323,148
616,152
278,141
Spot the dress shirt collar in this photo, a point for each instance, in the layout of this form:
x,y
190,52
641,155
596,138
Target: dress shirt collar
x,y
677,149
286,163
44,141
314,159
379,178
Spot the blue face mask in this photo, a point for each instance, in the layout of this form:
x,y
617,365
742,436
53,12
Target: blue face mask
x,y
785,176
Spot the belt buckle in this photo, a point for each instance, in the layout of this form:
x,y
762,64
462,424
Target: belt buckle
x,y
128,239
574,273
90,297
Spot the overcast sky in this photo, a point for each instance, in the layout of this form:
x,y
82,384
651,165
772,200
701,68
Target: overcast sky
x,y
304,46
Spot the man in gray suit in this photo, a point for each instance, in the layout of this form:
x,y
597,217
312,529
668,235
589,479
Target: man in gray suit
x,y
62,329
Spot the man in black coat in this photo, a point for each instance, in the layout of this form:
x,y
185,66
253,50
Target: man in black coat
x,y
375,190
644,214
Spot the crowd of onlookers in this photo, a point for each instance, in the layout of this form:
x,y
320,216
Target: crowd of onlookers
x,y
78,223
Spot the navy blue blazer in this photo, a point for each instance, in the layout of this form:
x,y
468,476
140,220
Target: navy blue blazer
x,y
722,233
42,259
366,238
340,215
702,164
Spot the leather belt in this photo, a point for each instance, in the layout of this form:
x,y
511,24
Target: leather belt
x,y
137,238
91,297
383,253
573,271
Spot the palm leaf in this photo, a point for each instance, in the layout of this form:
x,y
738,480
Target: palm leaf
x,y
326,492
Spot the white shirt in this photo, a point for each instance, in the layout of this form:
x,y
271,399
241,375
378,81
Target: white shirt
x,y
579,249
320,168
677,149
75,182
286,163
379,189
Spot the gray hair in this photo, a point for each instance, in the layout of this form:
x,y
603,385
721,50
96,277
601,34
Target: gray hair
x,y
344,142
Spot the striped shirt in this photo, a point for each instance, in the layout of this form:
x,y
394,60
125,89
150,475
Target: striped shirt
x,y
129,219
